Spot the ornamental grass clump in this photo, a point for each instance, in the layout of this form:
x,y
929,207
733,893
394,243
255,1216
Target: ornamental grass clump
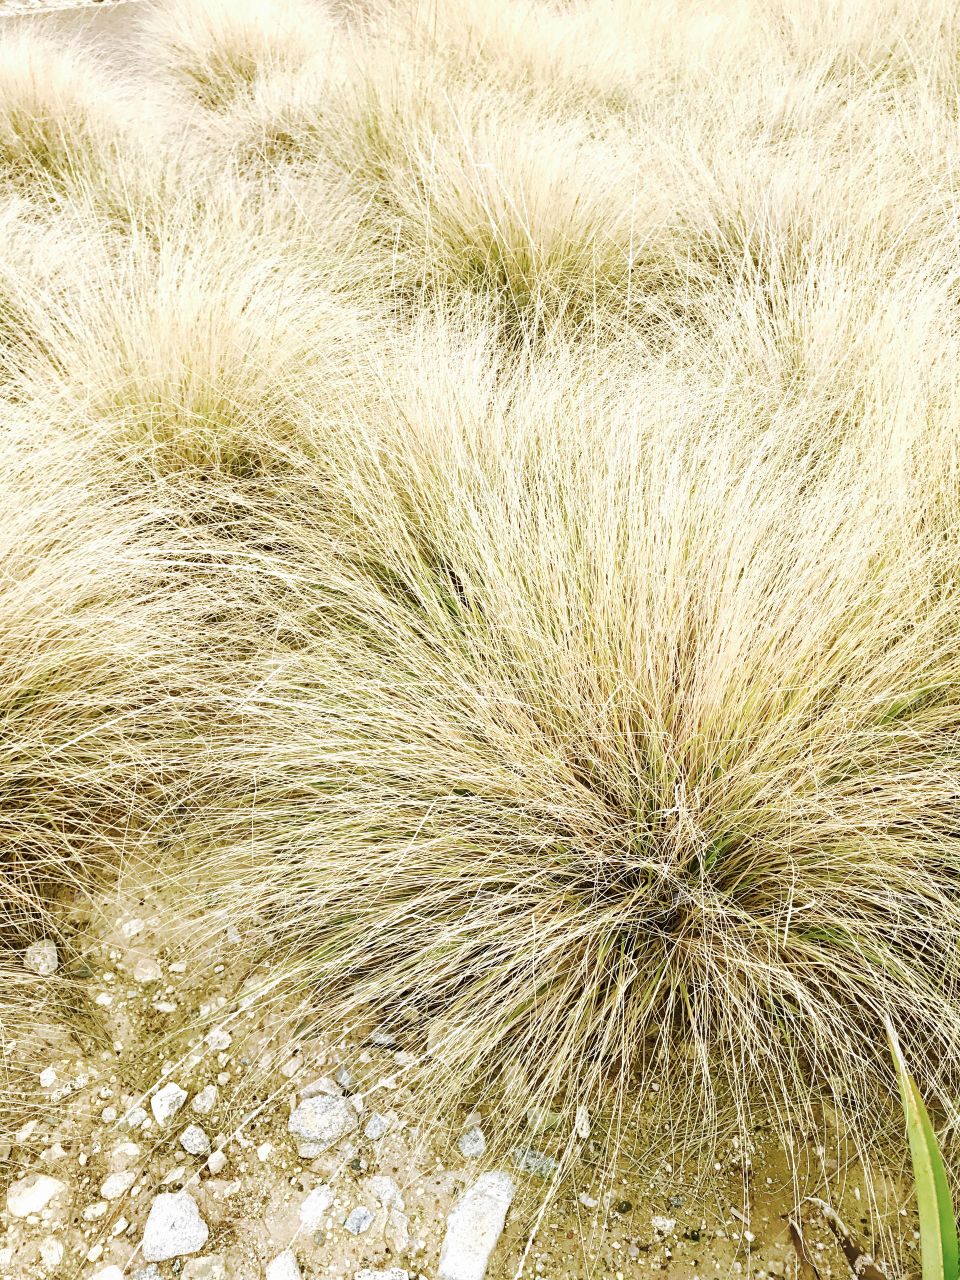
x,y
484,505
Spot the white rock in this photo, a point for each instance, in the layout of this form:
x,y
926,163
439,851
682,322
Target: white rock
x,y
212,1267
205,1100
147,970
314,1208
130,928
147,1273
318,1123
42,958
116,1185
112,1272
581,1123
135,1118
48,1077
122,1154
358,1221
32,1193
174,1227
166,1102
385,1191
284,1267
195,1141
218,1039
217,1162
51,1252
472,1143
663,1225
95,1211
376,1126
474,1226
394,1273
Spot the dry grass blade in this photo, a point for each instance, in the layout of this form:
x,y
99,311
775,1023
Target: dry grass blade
x,y
482,498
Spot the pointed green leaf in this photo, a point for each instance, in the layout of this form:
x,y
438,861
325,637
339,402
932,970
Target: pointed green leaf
x,y
938,1227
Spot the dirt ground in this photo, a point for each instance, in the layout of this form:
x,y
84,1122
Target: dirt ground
x,y
147,1007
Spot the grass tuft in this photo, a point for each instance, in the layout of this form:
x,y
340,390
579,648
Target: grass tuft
x,y
487,504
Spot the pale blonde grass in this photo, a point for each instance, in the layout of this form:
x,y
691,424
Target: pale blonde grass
x,y
508,521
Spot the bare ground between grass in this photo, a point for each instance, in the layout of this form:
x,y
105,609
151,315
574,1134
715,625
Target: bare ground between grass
x,y
148,993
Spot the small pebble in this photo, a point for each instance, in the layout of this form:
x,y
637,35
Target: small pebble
x,y
314,1208
472,1144
376,1126
318,1123
147,970
195,1141
205,1100
51,1252
358,1221
135,1118
32,1193
217,1162
174,1227
534,1162
42,957
581,1123
166,1102
284,1267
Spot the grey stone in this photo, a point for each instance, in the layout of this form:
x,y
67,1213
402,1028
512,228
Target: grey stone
x,y
534,1162
314,1208
358,1220
319,1123
205,1100
376,1126
472,1143
195,1141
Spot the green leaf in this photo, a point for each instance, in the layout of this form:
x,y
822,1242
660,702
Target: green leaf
x,y
938,1227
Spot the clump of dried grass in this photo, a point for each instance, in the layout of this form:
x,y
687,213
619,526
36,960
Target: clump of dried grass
x,y
506,536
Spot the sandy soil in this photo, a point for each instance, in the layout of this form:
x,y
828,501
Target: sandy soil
x,y
141,1000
